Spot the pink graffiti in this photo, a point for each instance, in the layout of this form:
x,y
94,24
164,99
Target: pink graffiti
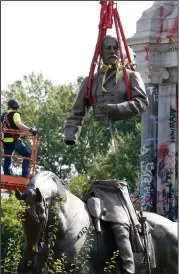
x,y
166,156
148,198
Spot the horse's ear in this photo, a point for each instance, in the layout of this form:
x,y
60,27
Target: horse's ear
x,y
18,194
38,195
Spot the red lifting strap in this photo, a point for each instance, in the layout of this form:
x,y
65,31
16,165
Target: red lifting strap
x,y
107,13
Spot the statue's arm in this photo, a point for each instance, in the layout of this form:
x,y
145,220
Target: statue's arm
x,y
73,124
138,103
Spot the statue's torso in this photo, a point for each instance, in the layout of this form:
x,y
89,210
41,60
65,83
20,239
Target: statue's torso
x,y
117,92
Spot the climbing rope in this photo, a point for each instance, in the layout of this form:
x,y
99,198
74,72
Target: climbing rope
x,y
107,14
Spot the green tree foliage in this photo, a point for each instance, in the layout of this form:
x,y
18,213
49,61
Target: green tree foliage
x,y
9,222
123,163
79,185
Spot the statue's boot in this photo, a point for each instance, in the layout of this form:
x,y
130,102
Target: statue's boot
x,y
121,234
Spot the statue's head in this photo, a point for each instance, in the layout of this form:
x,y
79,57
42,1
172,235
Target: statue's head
x,y
110,50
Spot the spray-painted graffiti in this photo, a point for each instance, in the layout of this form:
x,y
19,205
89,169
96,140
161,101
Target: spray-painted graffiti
x,y
166,158
158,185
167,155
154,137
148,171
152,91
166,172
149,150
172,125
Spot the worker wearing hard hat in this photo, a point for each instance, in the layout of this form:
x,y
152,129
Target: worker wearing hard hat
x,y
11,119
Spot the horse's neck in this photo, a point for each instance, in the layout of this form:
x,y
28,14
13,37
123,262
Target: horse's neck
x,y
70,211
50,190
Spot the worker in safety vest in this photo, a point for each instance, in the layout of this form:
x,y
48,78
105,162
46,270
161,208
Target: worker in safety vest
x,y
12,120
109,91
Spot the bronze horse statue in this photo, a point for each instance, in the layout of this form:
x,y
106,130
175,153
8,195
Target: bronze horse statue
x,y
73,223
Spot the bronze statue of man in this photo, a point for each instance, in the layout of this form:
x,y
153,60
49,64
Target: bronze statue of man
x,y
109,91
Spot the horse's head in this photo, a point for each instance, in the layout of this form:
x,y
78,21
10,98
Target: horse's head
x,y
47,201
34,218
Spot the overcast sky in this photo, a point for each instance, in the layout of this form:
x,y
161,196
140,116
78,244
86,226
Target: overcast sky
x,y
56,38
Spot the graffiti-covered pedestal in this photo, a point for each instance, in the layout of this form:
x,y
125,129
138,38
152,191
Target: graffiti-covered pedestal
x,y
156,46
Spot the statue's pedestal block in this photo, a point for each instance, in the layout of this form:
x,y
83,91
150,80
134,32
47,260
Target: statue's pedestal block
x,y
156,46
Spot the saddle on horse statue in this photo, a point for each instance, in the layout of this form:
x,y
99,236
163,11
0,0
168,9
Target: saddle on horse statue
x,y
109,201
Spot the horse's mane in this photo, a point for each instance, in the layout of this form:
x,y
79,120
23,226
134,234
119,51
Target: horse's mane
x,y
47,181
